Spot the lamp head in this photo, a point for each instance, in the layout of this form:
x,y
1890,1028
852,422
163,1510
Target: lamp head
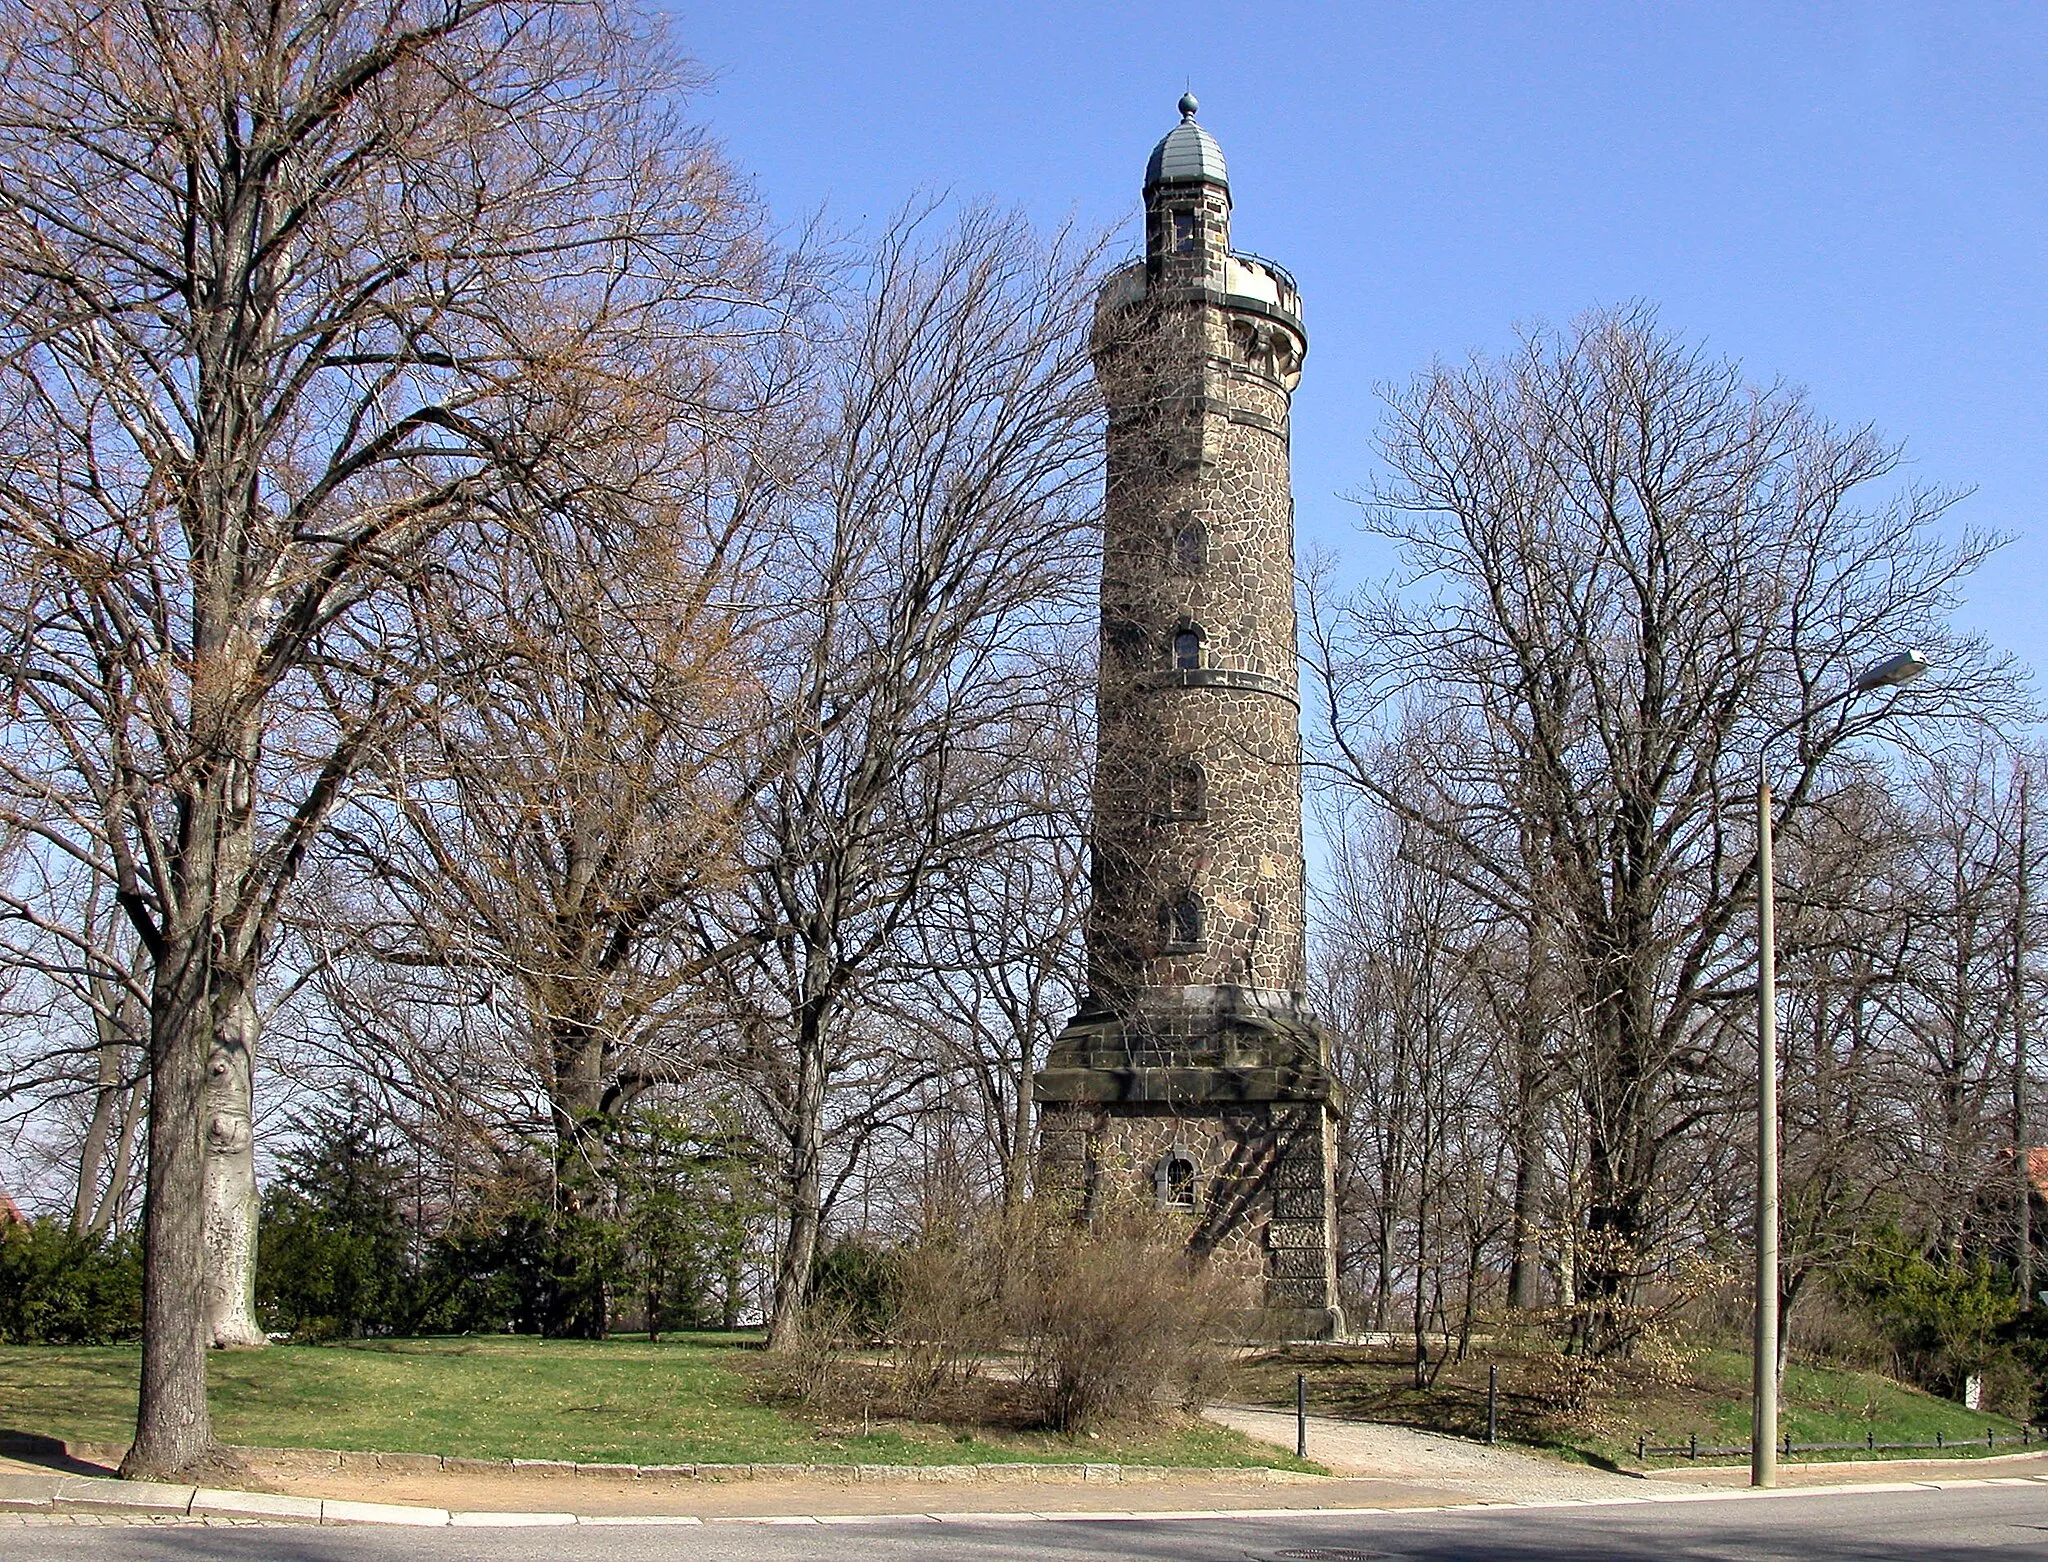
x,y
1903,667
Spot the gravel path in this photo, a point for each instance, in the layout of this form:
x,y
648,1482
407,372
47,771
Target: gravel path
x,y
1399,1453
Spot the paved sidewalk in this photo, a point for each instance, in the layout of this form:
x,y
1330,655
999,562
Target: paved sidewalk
x,y
1506,1475
1377,1468
1399,1453
292,1493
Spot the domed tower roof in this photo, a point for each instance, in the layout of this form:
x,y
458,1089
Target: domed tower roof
x,y
1188,154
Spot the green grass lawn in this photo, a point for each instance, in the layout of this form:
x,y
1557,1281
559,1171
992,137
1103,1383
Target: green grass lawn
x,y
1817,1405
686,1400
1710,1400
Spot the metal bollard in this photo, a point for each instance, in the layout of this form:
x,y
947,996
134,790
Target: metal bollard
x,y
1642,1447
1990,1438
1788,1445
1937,1437
1301,1415
1492,1405
1692,1447
1870,1437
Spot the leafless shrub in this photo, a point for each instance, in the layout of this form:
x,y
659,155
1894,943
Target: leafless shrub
x,y
949,1313
1832,1328
817,1371
1114,1314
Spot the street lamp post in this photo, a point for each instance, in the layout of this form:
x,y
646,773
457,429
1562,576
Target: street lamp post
x,y
1903,667
1763,1420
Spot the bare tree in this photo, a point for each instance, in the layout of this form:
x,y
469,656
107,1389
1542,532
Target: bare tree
x,y
73,1014
1421,1197
999,963
1852,906
284,291
550,826
946,536
1952,1005
1632,575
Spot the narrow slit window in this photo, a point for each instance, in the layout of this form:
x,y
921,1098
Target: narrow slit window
x,y
1181,920
1190,547
1186,790
1183,233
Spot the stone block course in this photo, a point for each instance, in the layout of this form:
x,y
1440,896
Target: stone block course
x,y
94,1494
334,1511
255,1504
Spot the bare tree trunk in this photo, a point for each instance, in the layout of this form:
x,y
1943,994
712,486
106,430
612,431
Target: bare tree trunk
x,y
121,1178
1017,1175
231,1202
1525,1267
806,1183
174,1428
120,1022
92,1154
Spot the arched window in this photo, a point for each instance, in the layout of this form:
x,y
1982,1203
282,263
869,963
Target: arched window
x,y
1173,1181
1187,789
1180,921
1190,546
1187,647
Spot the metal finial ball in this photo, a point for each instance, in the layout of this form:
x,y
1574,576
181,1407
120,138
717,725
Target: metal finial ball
x,y
1188,105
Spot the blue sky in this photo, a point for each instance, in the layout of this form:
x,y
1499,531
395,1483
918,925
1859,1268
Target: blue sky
x,y
1847,196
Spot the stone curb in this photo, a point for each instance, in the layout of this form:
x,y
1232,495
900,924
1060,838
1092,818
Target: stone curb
x,y
1682,1472
317,1460
46,1494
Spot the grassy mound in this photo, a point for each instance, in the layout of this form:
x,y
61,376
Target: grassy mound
x,y
1546,1401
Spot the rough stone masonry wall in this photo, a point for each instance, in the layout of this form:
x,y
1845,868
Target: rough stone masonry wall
x,y
1262,1185
1198,437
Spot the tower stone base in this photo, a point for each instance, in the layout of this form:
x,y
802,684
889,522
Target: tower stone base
x,y
1214,1100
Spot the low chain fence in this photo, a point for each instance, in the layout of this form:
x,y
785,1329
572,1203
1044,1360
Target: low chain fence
x,y
1692,1448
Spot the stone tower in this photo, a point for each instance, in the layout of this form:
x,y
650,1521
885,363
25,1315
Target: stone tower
x,y
1194,1073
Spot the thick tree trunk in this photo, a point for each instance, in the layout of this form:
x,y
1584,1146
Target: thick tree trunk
x,y
1620,1099
107,1096
201,989
173,1428
1017,1175
806,1186
581,1305
231,1176
1525,1267
1383,1257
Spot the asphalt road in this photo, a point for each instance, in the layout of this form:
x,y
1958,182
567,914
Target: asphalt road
x,y
1995,1521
